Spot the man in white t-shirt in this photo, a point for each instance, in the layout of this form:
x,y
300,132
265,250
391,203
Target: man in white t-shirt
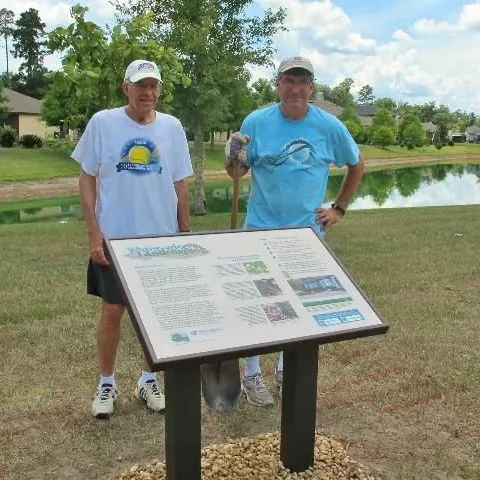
x,y
134,164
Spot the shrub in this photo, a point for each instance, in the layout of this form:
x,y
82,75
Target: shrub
x,y
31,141
7,137
438,146
64,145
383,136
451,143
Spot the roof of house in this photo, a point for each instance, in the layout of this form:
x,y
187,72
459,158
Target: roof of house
x,y
329,107
19,103
473,130
366,110
429,127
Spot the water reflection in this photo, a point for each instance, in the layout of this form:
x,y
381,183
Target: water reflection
x,y
420,187
407,187
62,212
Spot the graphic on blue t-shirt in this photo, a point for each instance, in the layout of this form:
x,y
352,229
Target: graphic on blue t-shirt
x,y
140,155
298,150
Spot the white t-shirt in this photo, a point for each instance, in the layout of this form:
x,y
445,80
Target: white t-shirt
x,y
136,166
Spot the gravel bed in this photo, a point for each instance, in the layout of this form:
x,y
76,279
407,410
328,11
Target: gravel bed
x,y
258,458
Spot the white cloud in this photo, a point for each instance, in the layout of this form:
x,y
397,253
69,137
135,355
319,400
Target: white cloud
x,y
58,13
468,20
401,35
421,59
417,64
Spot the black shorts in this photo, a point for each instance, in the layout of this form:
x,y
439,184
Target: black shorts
x,y
101,282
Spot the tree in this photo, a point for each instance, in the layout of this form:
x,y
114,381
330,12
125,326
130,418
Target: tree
x,y
387,103
383,118
6,30
413,136
354,128
341,95
442,121
29,44
410,131
263,92
471,119
215,39
352,121
383,136
93,65
322,89
3,101
365,95
427,112
238,102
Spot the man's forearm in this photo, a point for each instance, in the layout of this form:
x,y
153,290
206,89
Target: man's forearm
x,y
350,183
88,196
183,206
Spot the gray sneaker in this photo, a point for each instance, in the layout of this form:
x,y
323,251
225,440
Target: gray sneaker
x,y
103,401
279,381
256,391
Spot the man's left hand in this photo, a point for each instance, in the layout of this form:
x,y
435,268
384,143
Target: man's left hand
x,y
327,216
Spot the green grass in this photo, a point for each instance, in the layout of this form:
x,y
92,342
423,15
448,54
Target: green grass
x,y
395,151
406,402
20,164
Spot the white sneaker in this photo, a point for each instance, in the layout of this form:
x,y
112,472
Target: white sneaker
x,y
256,391
151,394
103,401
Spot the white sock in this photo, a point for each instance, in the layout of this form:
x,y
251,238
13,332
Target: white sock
x,y
252,366
110,380
148,376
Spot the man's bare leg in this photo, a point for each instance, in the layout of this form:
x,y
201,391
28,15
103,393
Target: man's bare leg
x,y
108,336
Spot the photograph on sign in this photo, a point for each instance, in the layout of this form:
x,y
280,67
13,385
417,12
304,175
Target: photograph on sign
x,y
199,294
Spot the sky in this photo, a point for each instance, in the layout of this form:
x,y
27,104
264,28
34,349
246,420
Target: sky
x,y
409,50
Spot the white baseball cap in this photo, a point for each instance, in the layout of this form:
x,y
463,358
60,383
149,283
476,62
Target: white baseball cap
x,y
295,62
140,69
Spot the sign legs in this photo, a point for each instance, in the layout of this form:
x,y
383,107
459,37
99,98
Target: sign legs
x,y
183,423
299,407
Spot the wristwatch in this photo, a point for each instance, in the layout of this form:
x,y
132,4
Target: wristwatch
x,y
336,206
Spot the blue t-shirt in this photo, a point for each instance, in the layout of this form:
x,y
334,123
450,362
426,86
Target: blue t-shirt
x,y
290,162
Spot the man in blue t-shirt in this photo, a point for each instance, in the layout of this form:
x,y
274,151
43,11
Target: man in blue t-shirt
x,y
289,147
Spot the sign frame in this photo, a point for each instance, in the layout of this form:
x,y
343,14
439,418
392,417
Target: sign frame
x,y
236,352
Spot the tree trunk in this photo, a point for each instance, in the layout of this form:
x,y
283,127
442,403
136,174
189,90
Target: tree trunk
x,y
6,55
212,139
198,159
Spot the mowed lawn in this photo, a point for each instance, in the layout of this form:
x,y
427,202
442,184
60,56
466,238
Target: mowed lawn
x,y
405,404
20,164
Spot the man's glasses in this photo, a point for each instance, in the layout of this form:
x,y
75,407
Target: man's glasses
x,y
295,82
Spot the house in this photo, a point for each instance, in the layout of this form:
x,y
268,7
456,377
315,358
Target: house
x,y
456,136
24,114
326,105
472,134
430,129
366,112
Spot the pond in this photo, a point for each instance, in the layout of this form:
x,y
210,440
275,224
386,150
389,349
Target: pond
x,y
402,187
407,187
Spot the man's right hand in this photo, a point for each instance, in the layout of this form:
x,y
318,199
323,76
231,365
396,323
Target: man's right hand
x,y
96,250
236,150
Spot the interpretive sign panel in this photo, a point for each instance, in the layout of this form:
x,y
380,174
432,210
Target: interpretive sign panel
x,y
201,295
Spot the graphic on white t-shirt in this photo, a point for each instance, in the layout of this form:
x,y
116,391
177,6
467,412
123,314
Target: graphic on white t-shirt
x,y
140,155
